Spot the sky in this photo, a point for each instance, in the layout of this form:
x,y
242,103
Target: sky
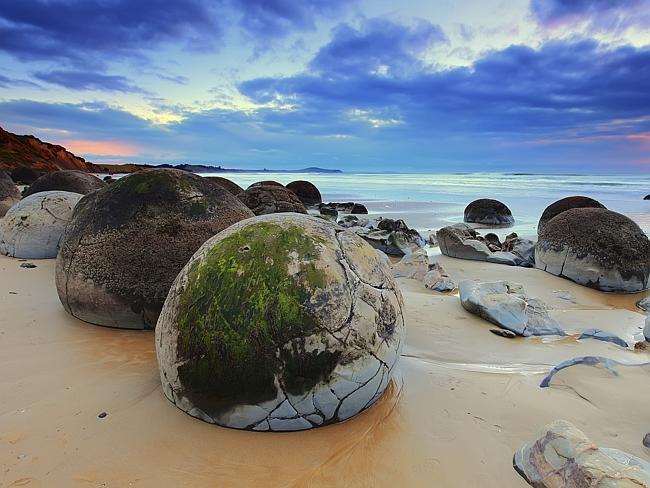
x,y
357,85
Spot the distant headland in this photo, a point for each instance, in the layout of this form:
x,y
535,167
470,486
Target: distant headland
x,y
26,150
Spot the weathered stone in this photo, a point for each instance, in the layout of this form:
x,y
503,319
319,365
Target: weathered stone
x,y
506,305
414,266
24,175
66,180
603,335
280,322
488,212
644,304
270,199
306,192
266,183
347,207
563,457
565,204
329,213
646,329
597,248
359,208
9,193
34,227
230,186
508,334
437,279
127,242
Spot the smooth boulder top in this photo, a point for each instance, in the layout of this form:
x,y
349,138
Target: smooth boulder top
x,y
306,191
280,322
33,228
231,186
9,193
66,180
565,204
647,197
597,248
269,199
266,183
24,175
127,242
488,212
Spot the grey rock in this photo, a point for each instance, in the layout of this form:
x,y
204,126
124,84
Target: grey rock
x,y
603,335
437,279
488,212
9,193
28,265
646,329
329,213
563,457
505,304
73,181
460,241
393,237
646,438
594,361
644,304
508,334
414,266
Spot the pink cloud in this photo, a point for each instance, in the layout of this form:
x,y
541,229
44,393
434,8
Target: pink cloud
x,y
101,148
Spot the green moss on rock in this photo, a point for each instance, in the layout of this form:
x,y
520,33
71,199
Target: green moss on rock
x,y
241,305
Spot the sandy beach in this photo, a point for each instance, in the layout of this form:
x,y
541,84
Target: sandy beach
x,y
463,401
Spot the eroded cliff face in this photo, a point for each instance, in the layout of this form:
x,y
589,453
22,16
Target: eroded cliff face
x,y
30,151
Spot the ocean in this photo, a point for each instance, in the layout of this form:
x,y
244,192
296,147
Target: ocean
x,y
430,201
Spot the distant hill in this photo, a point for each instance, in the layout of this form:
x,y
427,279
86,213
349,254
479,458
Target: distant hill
x,y
30,151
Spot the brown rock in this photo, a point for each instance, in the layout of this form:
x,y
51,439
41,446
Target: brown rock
x,y
565,204
225,183
268,199
67,180
306,191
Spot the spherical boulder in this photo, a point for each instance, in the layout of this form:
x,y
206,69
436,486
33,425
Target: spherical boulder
x,y
281,322
266,183
597,248
565,204
269,199
66,180
231,186
24,175
33,228
647,197
488,212
306,192
9,193
127,242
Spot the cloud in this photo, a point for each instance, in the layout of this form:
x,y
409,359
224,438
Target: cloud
x,y
6,82
88,80
601,15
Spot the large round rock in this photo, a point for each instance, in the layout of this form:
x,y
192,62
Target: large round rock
x,y
266,183
270,199
66,180
24,175
565,204
9,193
488,212
127,242
597,248
32,229
281,322
306,192
225,183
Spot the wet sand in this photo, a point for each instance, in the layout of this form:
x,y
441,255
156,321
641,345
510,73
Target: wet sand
x,y
465,399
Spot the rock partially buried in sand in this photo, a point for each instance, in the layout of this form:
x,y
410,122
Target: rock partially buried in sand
x,y
437,279
563,457
268,199
414,266
488,212
9,193
127,242
564,204
282,322
66,180
603,335
225,183
506,305
306,191
597,248
33,227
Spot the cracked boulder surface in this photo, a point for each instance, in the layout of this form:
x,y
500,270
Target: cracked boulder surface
x,y
564,457
270,199
564,204
9,193
33,228
66,180
232,187
306,191
280,323
595,247
488,212
127,242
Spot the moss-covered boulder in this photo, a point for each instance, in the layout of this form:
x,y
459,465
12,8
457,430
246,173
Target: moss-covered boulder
x,y
231,186
564,204
127,242
597,248
281,322
306,192
488,212
9,193
33,227
263,200
66,180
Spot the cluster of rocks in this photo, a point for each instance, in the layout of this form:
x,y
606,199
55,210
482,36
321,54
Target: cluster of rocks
x,y
462,241
392,237
332,210
417,266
